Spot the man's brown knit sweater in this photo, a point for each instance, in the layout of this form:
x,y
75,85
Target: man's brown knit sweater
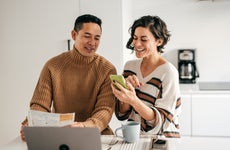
x,y
80,84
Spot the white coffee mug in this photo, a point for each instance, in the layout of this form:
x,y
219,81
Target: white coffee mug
x,y
130,131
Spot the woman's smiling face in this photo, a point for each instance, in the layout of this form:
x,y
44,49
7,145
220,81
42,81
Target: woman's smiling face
x,y
144,42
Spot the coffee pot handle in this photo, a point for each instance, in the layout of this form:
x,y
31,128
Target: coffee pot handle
x,y
196,71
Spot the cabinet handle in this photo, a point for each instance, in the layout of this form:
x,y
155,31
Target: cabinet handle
x,y
68,41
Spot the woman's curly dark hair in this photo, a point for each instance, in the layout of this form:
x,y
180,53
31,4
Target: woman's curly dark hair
x,y
156,26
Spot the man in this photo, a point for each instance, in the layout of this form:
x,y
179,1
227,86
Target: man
x,y
78,80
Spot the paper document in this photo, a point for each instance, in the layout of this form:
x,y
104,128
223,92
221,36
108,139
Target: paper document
x,y
39,118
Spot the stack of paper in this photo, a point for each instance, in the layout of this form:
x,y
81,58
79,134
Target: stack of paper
x,y
39,118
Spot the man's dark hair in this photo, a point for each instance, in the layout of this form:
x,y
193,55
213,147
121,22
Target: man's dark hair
x,y
87,18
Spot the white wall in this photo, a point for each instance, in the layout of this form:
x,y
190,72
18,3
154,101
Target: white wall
x,y
31,32
202,25
127,19
111,41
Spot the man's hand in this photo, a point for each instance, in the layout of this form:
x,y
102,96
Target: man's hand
x,y
77,124
22,132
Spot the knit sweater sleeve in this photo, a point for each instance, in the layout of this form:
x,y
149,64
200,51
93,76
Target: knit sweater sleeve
x,y
42,97
104,106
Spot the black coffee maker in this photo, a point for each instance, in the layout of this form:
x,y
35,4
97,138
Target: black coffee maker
x,y
187,66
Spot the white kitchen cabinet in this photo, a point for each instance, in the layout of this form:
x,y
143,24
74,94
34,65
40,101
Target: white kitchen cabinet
x,y
210,114
185,116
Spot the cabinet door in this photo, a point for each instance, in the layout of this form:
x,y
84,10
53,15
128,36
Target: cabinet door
x,y
185,116
210,114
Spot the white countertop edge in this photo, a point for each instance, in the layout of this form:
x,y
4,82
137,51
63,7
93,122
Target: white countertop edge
x,y
194,89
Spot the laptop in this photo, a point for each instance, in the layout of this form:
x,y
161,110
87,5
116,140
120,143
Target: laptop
x,y
62,138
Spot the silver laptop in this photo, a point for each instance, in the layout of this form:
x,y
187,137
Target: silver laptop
x,y
62,138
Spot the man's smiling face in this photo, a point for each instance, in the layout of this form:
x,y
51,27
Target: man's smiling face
x,y
87,40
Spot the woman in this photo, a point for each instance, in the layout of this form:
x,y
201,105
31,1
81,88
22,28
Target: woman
x,y
153,95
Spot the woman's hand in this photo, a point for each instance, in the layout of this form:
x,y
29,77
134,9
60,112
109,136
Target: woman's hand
x,y
128,98
124,95
134,81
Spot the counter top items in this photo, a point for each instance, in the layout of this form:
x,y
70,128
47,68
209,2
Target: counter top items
x,y
130,131
118,144
62,138
187,66
108,142
183,143
40,118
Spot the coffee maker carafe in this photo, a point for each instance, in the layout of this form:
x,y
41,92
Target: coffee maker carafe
x,y
187,66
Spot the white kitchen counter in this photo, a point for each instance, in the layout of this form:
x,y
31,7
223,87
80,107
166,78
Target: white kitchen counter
x,y
194,88
200,143
188,88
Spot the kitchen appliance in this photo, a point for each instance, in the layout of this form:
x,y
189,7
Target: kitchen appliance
x,y
187,66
